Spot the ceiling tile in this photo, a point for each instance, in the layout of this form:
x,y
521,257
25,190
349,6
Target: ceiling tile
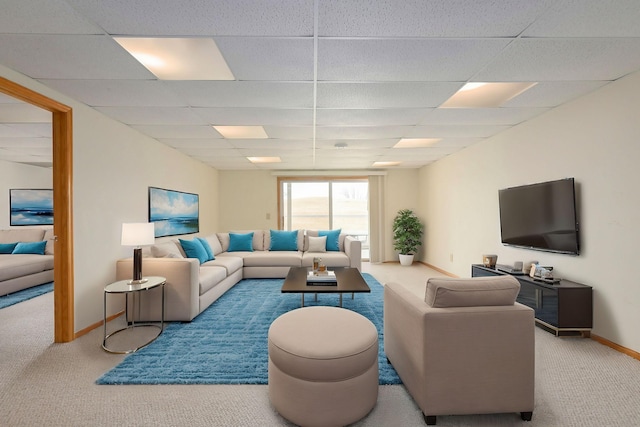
x,y
69,57
404,59
196,143
44,17
481,116
361,132
588,18
371,117
552,94
245,94
153,115
118,93
384,95
279,58
454,131
256,116
427,18
201,17
177,131
530,60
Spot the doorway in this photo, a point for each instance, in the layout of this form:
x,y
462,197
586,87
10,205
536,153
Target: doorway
x,y
63,272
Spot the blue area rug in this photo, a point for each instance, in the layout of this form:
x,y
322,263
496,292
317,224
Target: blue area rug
x,y
227,343
25,294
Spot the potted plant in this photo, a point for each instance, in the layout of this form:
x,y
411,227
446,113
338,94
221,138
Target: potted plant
x,y
407,235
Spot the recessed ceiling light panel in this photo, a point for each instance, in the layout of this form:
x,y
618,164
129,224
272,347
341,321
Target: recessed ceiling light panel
x,y
178,58
242,132
486,95
264,159
416,142
385,164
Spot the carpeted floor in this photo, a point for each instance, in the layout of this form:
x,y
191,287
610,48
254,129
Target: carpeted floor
x,y
25,294
227,343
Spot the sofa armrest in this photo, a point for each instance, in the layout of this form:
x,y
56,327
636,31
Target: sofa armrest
x,y
353,249
182,289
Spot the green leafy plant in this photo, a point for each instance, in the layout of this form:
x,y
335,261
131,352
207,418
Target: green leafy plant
x,y
407,232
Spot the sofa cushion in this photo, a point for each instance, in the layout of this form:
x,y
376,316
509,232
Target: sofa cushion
x,y
210,277
214,243
273,259
240,242
333,239
194,249
330,259
258,238
166,250
14,266
317,244
471,292
21,235
299,240
49,237
230,262
314,233
7,248
35,248
283,240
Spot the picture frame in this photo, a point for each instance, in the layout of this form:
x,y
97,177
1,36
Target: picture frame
x,y
173,212
30,206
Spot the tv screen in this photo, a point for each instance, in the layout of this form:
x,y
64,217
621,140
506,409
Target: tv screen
x,y
540,216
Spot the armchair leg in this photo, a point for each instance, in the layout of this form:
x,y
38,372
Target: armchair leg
x,y
388,361
429,419
526,416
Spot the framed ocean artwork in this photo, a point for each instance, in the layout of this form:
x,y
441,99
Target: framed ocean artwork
x,y
31,206
173,212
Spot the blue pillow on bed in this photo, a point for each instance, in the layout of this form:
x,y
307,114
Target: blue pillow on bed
x,y
35,248
284,240
240,242
333,239
7,248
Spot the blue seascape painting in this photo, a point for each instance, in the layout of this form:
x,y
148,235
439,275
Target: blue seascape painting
x,y
173,212
31,207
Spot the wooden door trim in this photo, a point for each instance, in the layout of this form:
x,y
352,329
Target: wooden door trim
x,y
63,272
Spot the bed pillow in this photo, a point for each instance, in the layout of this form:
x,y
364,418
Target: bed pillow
x,y
284,240
317,244
333,239
194,249
240,242
36,248
7,248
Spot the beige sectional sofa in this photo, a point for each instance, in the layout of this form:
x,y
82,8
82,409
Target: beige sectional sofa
x,y
22,271
192,287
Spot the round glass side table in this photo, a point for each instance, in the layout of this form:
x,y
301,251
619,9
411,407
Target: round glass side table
x,y
128,288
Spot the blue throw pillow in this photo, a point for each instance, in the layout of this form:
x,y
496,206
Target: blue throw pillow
x,y
194,249
333,239
240,242
207,247
284,240
7,248
36,248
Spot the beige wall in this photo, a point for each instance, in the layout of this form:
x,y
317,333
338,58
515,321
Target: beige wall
x,y
400,193
593,139
113,167
16,175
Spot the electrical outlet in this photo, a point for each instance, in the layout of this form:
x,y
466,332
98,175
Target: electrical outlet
x,y
450,257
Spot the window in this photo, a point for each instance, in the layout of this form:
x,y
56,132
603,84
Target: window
x,y
325,204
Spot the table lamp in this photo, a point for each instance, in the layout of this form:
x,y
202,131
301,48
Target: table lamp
x,y
137,234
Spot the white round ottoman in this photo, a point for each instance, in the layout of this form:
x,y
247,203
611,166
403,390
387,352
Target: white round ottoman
x,y
323,366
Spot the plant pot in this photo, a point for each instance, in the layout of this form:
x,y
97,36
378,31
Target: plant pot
x,y
406,259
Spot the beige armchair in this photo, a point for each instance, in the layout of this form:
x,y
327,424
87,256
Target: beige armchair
x,y
468,348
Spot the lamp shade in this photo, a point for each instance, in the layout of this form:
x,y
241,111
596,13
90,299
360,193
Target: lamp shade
x,y
138,233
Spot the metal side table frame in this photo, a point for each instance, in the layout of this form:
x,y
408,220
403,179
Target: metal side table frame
x,y
126,287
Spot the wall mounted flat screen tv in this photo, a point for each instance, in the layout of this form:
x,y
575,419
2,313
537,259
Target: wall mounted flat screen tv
x,y
540,216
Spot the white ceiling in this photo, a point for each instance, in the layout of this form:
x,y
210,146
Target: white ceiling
x,y
369,72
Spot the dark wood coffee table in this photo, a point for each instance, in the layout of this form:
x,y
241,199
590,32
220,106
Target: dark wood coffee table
x,y
348,279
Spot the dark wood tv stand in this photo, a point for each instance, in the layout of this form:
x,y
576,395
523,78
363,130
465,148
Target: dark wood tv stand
x,y
564,308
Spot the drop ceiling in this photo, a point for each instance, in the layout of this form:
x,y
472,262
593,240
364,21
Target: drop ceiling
x,y
334,83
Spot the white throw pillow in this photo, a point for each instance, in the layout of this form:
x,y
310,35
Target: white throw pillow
x,y
317,244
